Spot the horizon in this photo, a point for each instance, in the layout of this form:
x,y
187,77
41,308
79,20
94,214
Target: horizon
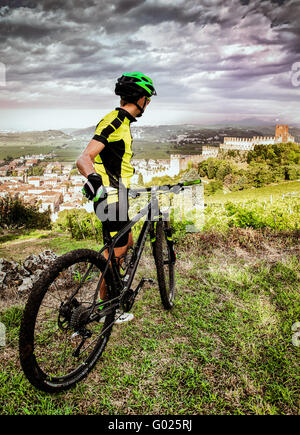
x,y
222,124
209,62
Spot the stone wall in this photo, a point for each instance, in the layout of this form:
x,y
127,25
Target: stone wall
x,y
23,276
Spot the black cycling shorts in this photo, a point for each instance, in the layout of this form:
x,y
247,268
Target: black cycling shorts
x,y
113,213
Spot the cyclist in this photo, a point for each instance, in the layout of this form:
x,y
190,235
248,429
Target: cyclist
x,y
106,163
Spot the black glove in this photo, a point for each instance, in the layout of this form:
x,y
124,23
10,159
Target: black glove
x,y
93,188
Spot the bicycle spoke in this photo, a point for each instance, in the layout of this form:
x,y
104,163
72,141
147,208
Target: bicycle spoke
x,y
55,339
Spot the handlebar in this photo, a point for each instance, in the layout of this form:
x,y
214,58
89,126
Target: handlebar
x,y
172,188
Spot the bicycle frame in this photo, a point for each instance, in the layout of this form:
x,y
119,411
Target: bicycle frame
x,y
138,249
125,282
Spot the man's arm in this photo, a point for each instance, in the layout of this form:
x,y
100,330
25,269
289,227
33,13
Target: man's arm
x,y
85,163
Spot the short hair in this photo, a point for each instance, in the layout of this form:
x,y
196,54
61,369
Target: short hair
x,y
123,101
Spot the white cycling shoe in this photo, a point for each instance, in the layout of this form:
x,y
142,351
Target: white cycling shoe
x,y
120,317
123,317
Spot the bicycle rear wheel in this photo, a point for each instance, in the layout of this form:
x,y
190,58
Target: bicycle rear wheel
x,y
61,339
164,257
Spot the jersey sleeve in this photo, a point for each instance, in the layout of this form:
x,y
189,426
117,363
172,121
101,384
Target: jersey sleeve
x,y
106,127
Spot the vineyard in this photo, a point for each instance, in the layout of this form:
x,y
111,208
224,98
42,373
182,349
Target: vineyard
x,y
277,212
281,214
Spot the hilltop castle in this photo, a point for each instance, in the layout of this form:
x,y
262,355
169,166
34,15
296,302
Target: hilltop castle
x,y
236,143
179,162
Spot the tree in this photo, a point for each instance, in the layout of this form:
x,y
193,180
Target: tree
x,y
223,170
14,213
211,168
213,187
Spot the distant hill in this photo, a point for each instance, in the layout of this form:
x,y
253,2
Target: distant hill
x,y
192,132
149,141
33,136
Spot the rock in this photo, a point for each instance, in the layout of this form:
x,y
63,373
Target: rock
x,y
9,274
2,280
42,261
13,274
26,285
8,266
23,272
47,257
31,263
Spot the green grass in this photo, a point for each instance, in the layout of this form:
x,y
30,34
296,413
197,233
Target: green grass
x,y
24,235
267,193
18,245
275,206
225,348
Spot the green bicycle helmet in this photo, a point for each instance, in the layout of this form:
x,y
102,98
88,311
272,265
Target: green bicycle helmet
x,y
133,86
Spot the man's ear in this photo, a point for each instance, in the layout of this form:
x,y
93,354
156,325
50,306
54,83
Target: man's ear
x,y
141,101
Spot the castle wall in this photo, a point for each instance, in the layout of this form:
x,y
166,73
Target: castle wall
x,y
186,161
209,151
246,144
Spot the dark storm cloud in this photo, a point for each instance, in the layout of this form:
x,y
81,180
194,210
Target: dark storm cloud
x,y
222,48
124,6
284,19
18,3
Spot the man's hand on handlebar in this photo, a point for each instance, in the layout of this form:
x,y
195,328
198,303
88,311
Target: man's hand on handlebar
x,y
93,188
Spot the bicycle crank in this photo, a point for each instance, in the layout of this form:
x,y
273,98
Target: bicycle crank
x,y
128,298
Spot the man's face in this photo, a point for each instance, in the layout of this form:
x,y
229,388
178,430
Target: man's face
x,y
143,102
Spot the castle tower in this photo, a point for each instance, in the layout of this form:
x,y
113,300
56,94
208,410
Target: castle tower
x,y
282,131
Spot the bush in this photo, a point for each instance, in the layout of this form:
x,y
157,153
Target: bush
x,y
277,154
242,217
266,164
213,187
14,213
292,172
80,224
280,215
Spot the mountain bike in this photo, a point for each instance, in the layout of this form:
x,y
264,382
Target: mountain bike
x,y
65,326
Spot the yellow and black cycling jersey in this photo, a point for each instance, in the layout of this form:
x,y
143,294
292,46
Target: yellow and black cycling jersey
x,y
113,162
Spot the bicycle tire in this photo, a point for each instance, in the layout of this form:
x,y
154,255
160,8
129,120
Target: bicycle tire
x,y
34,347
164,257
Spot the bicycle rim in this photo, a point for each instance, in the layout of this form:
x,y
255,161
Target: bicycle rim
x,y
164,265
57,347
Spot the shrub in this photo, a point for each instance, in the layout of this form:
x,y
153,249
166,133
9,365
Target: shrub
x,y
213,187
280,215
242,217
14,213
80,224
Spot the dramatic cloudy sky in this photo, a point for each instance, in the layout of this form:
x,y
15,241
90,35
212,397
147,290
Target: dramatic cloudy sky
x,y
211,60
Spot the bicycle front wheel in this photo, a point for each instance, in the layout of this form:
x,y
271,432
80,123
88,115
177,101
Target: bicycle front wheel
x,y
61,339
164,257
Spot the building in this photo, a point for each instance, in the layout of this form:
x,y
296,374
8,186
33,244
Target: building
x,y
245,144
34,181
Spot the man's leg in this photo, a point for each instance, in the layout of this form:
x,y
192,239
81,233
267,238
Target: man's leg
x,y
116,213
119,252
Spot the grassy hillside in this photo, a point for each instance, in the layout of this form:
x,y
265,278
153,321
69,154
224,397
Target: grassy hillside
x,y
226,347
274,192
